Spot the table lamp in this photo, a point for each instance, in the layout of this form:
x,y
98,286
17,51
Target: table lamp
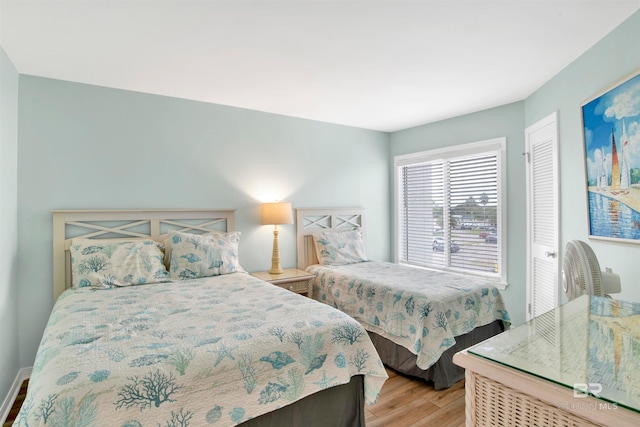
x,y
275,214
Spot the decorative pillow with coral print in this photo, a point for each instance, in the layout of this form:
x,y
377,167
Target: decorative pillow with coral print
x,y
203,255
339,247
104,264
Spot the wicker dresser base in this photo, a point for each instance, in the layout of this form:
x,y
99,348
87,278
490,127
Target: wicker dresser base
x,y
490,403
497,395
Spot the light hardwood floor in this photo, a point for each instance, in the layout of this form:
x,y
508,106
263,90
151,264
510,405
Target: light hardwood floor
x,y
405,402
11,417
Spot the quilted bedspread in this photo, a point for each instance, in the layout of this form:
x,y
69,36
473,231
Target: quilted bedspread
x,y
421,310
210,351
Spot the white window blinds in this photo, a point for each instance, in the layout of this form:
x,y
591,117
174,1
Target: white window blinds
x,y
422,214
450,209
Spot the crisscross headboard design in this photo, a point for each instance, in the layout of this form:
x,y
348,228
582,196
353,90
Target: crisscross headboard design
x,y
313,220
125,225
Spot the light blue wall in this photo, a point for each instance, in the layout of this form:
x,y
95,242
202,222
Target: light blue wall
x,y
611,59
9,365
505,121
88,147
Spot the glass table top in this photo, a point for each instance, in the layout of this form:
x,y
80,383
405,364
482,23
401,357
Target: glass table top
x,y
590,345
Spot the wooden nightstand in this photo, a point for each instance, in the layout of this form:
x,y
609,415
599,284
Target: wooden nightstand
x,y
298,281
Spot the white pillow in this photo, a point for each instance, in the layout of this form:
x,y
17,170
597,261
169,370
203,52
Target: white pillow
x,y
202,255
166,244
104,264
339,247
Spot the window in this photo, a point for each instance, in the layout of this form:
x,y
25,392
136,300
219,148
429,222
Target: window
x,y
450,213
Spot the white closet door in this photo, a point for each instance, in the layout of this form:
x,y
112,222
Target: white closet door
x,y
541,141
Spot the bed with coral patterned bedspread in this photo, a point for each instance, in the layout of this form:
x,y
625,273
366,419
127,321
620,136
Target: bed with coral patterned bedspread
x,y
417,318
421,310
217,350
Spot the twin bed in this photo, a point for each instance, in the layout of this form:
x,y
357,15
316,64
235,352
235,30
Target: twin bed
x,y
417,318
134,343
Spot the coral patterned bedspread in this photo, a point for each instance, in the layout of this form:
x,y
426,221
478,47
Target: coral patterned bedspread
x,y
218,350
419,309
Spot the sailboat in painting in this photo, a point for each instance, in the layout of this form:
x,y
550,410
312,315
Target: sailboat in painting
x,y
602,172
620,173
625,169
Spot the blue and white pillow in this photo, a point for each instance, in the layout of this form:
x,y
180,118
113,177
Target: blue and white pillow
x,y
104,264
203,255
339,247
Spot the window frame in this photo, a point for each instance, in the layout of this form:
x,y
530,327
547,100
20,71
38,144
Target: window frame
x,y
495,145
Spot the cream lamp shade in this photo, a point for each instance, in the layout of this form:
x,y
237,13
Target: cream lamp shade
x,y
276,214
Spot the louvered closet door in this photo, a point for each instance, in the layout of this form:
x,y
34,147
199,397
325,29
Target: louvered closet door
x,y
542,216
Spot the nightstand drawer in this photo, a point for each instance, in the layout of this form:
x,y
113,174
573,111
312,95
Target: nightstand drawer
x,y
291,279
299,286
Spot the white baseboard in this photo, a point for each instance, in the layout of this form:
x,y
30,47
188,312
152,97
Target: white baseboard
x,y
23,374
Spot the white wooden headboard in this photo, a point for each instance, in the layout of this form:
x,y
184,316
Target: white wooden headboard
x,y
312,220
125,225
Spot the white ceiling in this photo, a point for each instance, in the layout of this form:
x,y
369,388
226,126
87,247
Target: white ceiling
x,y
383,65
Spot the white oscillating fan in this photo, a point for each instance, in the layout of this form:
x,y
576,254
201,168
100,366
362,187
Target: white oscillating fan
x,y
581,273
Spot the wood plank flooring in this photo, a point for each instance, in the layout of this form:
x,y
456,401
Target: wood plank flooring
x,y
403,402
406,401
16,404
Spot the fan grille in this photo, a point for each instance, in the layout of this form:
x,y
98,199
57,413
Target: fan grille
x,y
581,270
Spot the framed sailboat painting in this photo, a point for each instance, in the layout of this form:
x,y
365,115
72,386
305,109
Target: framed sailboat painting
x,y
611,125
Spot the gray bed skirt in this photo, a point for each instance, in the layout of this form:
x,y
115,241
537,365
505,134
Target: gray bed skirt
x,y
444,373
342,405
